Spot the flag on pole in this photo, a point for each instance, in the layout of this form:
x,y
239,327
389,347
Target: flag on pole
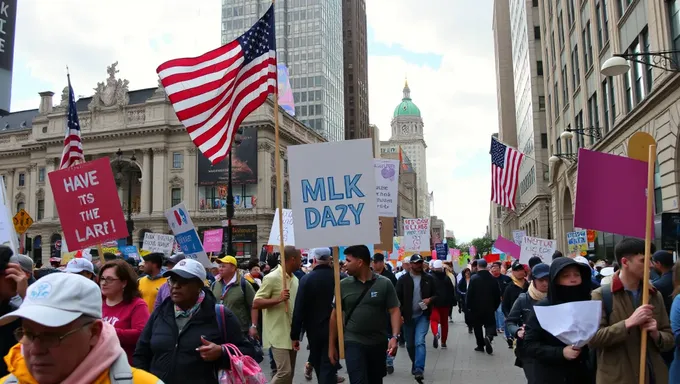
x,y
505,162
73,145
212,94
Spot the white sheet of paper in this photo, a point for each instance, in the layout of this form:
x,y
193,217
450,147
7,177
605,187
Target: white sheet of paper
x,y
572,323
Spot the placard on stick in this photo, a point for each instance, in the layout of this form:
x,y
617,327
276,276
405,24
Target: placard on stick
x,y
87,201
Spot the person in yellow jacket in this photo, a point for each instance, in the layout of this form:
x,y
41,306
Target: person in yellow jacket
x,y
64,340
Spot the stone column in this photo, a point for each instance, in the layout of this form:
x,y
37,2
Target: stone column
x,y
49,197
31,189
190,178
160,182
10,189
146,182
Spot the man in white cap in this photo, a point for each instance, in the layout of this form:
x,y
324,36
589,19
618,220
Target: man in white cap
x,y
63,339
81,266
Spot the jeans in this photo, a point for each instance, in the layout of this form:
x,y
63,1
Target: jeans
x,y
500,322
365,363
415,331
318,359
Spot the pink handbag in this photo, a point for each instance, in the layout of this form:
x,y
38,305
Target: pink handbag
x,y
244,369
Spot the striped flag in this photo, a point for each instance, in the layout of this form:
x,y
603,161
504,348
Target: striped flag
x,y
505,162
212,94
73,145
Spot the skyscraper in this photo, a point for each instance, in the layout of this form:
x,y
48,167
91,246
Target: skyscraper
x,y
356,69
309,42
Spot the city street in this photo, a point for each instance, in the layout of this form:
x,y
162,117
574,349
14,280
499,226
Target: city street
x,y
457,364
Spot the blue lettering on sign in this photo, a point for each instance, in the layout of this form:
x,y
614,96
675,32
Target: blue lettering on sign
x,y
324,189
189,242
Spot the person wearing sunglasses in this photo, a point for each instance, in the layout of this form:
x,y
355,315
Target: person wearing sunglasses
x,y
62,338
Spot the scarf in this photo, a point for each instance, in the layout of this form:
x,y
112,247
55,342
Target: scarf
x,y
191,311
518,282
535,293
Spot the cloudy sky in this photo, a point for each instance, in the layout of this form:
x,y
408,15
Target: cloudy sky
x,y
445,47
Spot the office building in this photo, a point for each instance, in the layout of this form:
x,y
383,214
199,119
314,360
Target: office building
x,y
355,52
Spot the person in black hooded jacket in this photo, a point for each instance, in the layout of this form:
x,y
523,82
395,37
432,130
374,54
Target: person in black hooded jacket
x,y
557,362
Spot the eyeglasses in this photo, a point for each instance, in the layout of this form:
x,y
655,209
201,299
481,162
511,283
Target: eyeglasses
x,y
178,282
47,340
107,280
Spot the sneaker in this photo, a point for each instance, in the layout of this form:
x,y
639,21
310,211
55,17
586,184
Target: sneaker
x,y
435,342
443,345
308,371
340,379
470,330
511,343
479,349
419,377
487,345
390,369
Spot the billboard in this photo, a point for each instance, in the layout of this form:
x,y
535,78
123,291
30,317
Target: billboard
x,y
8,16
243,164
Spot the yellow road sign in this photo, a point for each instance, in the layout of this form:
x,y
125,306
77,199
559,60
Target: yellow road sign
x,y
22,221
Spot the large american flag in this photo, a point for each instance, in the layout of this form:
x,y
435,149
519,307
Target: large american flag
x,y
505,162
73,146
213,93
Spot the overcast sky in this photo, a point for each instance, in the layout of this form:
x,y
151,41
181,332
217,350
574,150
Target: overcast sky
x,y
445,47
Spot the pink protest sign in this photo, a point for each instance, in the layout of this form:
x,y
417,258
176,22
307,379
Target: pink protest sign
x,y
473,251
610,194
212,240
507,246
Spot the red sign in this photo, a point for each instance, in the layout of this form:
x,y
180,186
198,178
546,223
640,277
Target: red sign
x,y
88,204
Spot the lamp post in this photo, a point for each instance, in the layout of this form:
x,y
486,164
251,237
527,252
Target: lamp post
x,y
230,194
619,64
129,222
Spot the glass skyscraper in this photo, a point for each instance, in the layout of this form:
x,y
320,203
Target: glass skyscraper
x,y
309,43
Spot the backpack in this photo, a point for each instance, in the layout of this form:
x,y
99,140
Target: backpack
x,y
243,290
120,372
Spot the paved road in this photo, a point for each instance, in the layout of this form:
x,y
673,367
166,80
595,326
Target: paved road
x,y
457,364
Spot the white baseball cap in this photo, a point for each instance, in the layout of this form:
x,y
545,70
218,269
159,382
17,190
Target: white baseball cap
x,y
57,300
79,265
607,271
187,269
437,264
320,253
582,260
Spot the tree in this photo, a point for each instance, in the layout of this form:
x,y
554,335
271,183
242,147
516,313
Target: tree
x,y
451,242
482,244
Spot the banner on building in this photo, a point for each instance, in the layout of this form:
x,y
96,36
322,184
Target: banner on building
x,y
243,164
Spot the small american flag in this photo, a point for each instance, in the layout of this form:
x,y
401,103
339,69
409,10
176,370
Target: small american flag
x,y
505,162
73,146
213,93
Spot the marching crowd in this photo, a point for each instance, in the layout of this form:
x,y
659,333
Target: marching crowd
x,y
180,322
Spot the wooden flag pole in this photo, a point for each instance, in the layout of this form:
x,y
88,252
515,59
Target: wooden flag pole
x,y
651,163
338,302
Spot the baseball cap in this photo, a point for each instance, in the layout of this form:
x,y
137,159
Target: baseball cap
x,y
79,265
437,264
607,271
416,258
663,257
540,271
188,269
516,266
228,260
155,257
25,262
320,253
378,257
582,260
58,299
174,259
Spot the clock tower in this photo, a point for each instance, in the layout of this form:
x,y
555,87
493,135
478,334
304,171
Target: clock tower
x,y
407,133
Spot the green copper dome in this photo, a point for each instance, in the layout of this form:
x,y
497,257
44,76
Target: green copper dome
x,y
406,107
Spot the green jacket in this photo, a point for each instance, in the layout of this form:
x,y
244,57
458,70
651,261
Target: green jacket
x,y
238,298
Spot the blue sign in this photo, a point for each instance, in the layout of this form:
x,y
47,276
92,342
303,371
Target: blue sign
x,y
341,251
442,250
186,235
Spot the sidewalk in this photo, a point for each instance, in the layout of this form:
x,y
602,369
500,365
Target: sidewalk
x,y
457,364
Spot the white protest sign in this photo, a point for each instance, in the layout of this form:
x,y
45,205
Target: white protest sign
x,y
288,231
186,235
416,235
534,246
158,242
333,194
518,235
386,186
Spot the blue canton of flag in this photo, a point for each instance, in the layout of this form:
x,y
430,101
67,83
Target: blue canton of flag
x,y
259,39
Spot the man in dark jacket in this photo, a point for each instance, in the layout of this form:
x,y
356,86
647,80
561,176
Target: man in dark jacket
x,y
416,292
12,280
446,297
519,285
379,267
483,298
313,311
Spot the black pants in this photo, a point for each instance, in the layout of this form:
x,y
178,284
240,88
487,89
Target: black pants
x,y
481,322
326,373
365,363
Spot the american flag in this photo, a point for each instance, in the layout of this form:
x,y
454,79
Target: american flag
x,y
213,93
505,162
73,146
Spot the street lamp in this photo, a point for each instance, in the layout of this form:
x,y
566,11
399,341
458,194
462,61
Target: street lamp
x,y
130,223
619,63
230,193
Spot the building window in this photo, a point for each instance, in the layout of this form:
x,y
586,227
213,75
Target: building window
x,y
628,85
41,209
565,87
285,166
539,68
41,175
588,47
557,101
674,16
541,103
176,196
552,46
544,140
177,160
605,21
22,179
644,37
534,3
593,115
285,198
580,137
570,11
560,29
21,205
605,103
537,33
558,144
658,196
623,6
273,196
598,19
575,70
